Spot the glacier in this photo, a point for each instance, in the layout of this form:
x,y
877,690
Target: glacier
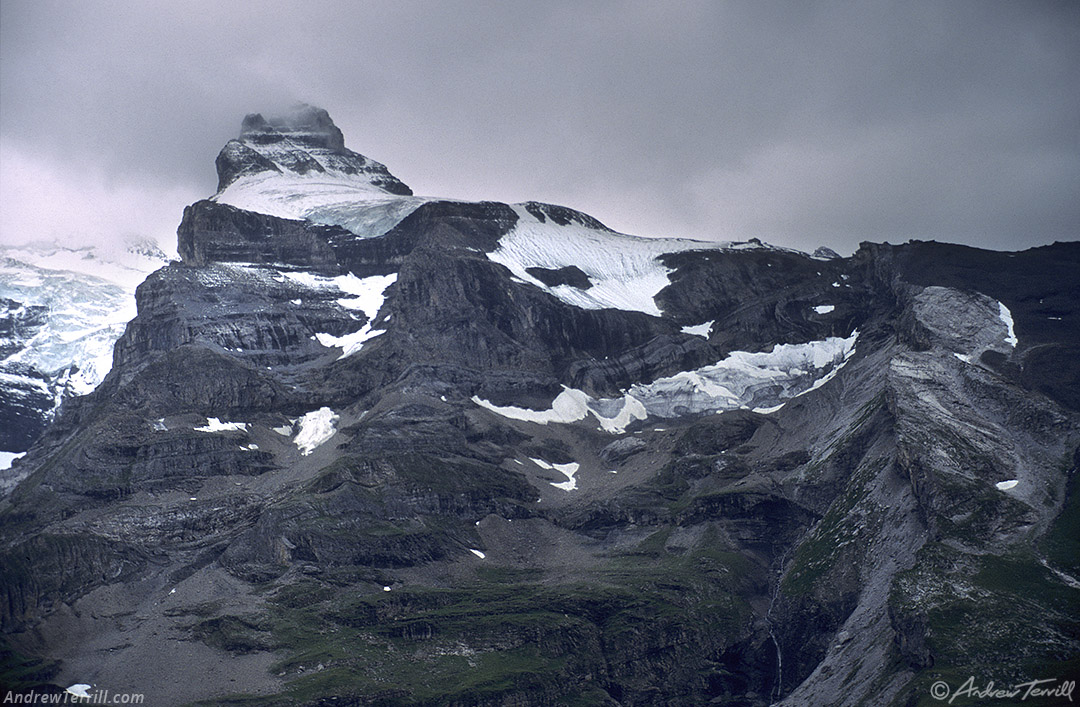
x,y
329,199
296,167
61,311
762,381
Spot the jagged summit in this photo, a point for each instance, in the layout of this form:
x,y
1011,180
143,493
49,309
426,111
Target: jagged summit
x,y
295,166
301,143
303,124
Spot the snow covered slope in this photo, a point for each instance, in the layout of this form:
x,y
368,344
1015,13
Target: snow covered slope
x,y
623,272
296,166
61,311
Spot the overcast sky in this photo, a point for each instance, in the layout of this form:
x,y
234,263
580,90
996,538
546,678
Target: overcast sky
x,y
801,123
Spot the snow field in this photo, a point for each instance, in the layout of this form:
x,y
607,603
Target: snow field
x,y
624,270
767,380
316,427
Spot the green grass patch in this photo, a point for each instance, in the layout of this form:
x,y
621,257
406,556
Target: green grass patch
x,y
504,633
1005,618
1062,542
235,634
23,673
818,553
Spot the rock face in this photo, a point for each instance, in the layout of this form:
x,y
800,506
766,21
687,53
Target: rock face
x,y
303,142
395,450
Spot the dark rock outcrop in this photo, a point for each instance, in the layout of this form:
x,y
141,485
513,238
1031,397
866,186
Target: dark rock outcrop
x,y
302,141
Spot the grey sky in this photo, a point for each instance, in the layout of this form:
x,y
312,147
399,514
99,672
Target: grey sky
x,y
803,124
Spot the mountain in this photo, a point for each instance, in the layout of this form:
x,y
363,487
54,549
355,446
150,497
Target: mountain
x,y
360,447
61,311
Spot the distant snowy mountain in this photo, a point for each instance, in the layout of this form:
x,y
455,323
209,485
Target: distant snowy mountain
x,y
61,311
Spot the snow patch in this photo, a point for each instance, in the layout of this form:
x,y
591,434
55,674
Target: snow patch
x,y
284,430
1006,317
369,294
79,690
702,330
478,553
567,470
572,405
8,458
315,428
824,308
568,406
1006,485
349,343
213,424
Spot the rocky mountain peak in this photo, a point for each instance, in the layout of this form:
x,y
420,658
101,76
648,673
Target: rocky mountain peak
x,y
303,141
302,124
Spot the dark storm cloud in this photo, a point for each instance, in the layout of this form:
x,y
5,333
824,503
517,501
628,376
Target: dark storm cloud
x,y
801,123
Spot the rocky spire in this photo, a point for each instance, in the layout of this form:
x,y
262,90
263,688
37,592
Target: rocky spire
x,y
301,141
302,124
